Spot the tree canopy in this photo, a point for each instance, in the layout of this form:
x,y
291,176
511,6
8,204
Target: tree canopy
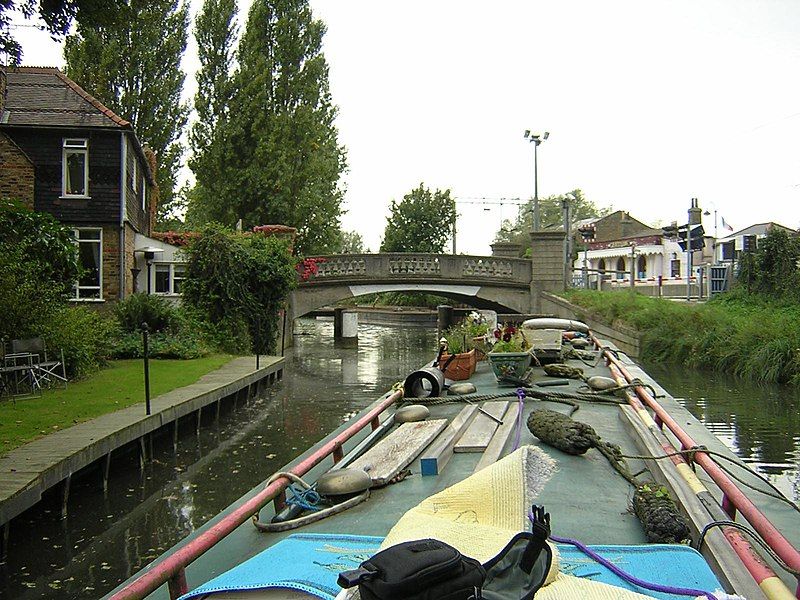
x,y
58,16
215,33
280,160
132,64
551,213
421,222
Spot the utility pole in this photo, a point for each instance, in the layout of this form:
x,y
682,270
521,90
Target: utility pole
x,y
565,207
695,216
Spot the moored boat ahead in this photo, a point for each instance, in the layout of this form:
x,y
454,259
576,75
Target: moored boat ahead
x,y
615,468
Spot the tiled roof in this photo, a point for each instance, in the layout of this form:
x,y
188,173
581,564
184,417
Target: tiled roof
x,y
44,96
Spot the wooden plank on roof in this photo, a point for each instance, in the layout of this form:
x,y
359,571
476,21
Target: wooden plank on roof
x,y
441,450
396,451
499,439
480,432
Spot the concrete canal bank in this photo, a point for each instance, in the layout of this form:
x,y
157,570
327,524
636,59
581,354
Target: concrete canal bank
x,y
30,470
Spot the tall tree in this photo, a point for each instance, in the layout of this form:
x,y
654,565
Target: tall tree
x,y
551,211
282,160
421,222
215,32
133,66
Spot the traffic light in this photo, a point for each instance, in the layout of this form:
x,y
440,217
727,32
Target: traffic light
x,y
748,243
697,237
587,232
670,231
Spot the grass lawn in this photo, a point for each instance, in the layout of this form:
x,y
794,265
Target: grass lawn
x,y
117,386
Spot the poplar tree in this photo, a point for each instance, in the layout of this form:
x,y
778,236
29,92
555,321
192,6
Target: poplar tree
x,y
282,160
215,32
132,65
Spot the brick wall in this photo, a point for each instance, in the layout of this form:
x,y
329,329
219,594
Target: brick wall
x,y
17,174
111,263
130,244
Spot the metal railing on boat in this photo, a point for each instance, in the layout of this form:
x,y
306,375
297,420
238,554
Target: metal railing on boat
x,y
733,499
172,570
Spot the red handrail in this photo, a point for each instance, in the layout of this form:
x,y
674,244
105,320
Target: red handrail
x,y
171,569
782,547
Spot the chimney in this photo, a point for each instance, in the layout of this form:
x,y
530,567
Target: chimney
x,y
625,225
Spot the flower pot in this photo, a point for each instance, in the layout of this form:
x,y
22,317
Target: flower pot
x,y
461,367
509,365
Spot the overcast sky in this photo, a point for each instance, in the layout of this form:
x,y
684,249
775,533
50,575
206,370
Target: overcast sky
x,y
648,104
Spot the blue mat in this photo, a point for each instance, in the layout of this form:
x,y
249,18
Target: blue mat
x,y
312,562
673,565
308,562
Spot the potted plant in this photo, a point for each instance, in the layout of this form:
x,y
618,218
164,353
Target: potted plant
x,y
458,361
509,355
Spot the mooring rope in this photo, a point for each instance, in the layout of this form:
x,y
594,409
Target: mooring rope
x,y
753,535
713,455
318,515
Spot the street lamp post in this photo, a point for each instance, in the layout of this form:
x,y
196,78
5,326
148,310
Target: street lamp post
x,y
536,139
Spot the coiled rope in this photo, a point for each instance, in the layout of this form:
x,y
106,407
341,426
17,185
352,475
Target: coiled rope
x,y
306,519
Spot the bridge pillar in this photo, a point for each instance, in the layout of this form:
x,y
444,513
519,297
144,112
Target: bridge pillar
x,y
345,327
444,319
547,265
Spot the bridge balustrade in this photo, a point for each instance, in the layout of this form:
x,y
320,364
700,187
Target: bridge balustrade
x,y
366,267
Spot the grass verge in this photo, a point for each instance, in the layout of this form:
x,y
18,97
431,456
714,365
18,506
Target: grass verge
x,y
749,336
117,386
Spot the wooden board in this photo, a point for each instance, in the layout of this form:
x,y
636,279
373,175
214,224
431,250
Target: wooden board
x,y
440,451
480,432
394,452
499,439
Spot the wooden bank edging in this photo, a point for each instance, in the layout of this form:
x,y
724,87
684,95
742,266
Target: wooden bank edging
x,y
627,338
26,472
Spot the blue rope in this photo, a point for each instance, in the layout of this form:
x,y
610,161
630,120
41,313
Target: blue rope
x,y
305,499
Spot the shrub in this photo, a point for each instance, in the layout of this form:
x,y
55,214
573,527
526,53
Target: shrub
x,y
183,345
85,336
234,279
38,263
159,313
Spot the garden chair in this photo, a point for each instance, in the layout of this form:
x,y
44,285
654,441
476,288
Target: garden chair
x,y
44,370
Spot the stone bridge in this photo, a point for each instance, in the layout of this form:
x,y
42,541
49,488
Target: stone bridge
x,y
499,283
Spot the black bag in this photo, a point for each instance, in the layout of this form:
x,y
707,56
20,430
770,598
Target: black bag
x,y
419,570
432,570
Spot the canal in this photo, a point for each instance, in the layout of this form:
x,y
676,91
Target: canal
x,y
108,537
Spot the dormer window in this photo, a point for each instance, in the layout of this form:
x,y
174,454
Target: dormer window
x,y
75,168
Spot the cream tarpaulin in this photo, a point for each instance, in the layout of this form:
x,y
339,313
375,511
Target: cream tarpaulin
x,y
480,514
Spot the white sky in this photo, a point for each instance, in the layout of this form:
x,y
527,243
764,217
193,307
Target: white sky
x,y
648,104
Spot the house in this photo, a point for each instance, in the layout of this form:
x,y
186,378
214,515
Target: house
x,y
729,248
63,152
623,245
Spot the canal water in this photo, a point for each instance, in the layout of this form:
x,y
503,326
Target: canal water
x,y
108,537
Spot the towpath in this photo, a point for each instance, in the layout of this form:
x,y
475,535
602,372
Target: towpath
x,y
27,471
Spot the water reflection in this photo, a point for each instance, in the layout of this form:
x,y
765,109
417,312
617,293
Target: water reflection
x,y
109,537
760,423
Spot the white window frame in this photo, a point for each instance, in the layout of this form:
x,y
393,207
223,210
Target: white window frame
x,y
171,287
77,287
75,146
135,175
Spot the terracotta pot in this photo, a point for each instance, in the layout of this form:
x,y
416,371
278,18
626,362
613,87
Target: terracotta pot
x,y
462,366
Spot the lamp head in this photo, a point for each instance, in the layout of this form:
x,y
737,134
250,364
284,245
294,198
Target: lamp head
x,y
527,133
546,135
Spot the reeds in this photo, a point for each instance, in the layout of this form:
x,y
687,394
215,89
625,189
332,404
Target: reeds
x,y
750,337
